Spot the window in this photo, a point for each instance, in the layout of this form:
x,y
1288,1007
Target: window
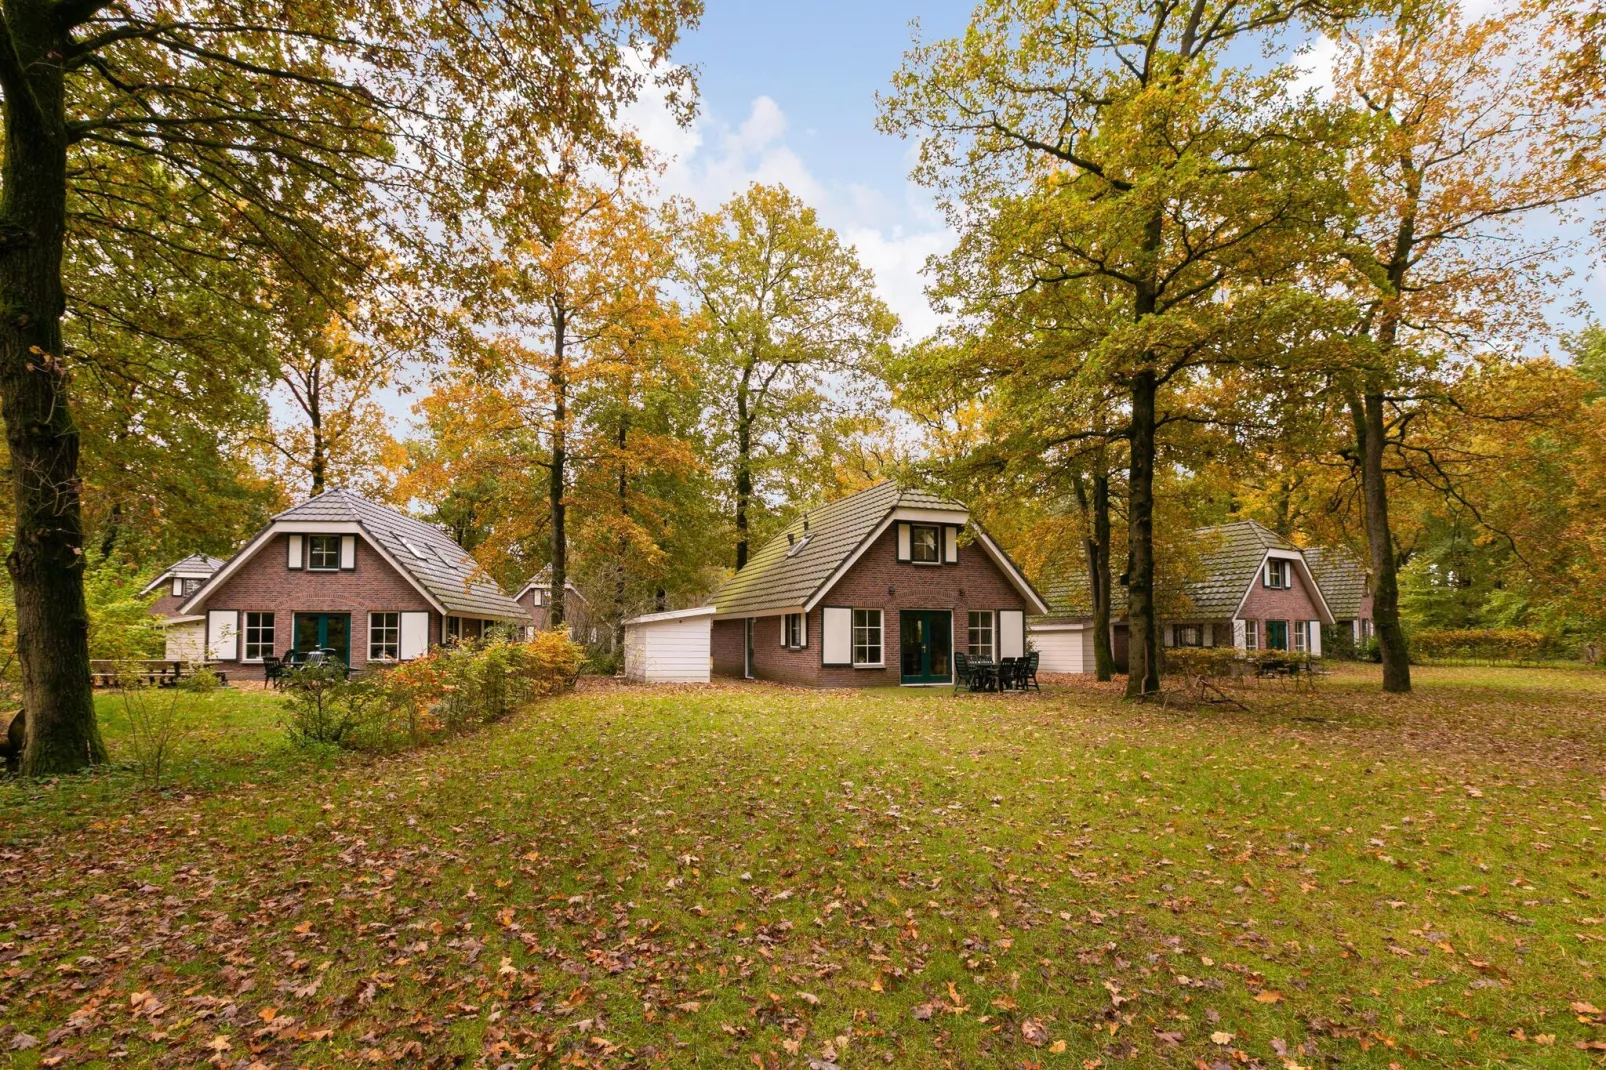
x,y
867,637
1251,635
189,585
1301,635
1277,574
1276,635
384,636
464,628
1366,628
323,552
981,634
1189,635
258,636
792,631
540,596
925,545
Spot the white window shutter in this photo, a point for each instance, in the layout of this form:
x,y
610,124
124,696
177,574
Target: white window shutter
x,y
295,551
1011,633
785,618
903,542
1316,638
1208,633
803,630
1240,637
223,634
414,635
951,551
1169,635
1355,630
836,635
178,585
348,552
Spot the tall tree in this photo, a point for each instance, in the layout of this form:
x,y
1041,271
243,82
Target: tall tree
x,y
241,134
1464,139
792,321
1104,147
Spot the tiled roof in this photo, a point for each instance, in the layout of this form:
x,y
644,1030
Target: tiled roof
x,y
1229,557
196,565
782,575
543,580
1342,578
427,553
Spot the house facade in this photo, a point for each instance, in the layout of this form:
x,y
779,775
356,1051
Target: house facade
x,y
349,576
1348,590
536,598
880,588
1255,591
185,635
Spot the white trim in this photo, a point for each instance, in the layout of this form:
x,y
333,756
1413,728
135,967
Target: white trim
x,y
256,546
881,640
672,614
295,554
758,613
348,553
1080,626
1304,570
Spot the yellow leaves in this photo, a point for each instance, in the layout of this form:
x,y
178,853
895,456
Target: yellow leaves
x,y
1221,1038
1268,996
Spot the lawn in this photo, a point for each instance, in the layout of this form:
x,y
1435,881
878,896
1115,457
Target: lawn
x,y
746,875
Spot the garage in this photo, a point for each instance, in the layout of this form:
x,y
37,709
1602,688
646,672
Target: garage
x,y
1063,647
669,648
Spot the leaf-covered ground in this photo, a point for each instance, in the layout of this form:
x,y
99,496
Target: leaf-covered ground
x,y
746,875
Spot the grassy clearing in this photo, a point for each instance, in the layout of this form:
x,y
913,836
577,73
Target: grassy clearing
x,y
714,876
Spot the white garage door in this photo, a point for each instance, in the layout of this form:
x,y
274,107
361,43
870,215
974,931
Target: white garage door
x,y
1061,651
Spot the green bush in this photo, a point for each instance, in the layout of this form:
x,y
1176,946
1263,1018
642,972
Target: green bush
x,y
325,708
1520,645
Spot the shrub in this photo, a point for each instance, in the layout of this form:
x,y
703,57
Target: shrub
x,y
160,719
1487,644
326,708
452,690
1209,661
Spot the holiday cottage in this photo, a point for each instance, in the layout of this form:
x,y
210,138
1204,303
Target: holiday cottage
x,y
878,588
347,576
185,635
1255,591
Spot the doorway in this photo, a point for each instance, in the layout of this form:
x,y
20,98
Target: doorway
x,y
747,660
324,631
926,639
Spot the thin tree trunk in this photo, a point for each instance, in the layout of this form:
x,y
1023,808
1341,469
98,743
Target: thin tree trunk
x,y
624,546
46,560
1143,669
1099,566
744,468
555,483
1367,412
319,461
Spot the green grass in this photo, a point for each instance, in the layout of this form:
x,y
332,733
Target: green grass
x,y
750,875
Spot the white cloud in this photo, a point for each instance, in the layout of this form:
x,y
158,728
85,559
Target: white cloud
x,y
713,160
1316,62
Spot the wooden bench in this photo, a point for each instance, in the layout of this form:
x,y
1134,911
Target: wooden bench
x,y
154,672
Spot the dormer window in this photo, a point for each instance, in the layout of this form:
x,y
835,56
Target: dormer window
x,y
189,585
1278,575
925,544
323,552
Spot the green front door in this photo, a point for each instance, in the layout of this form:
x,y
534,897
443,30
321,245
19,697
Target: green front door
x,y
324,631
926,641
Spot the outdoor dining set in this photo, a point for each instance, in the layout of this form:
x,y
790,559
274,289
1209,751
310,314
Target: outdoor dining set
x,y
1005,674
275,669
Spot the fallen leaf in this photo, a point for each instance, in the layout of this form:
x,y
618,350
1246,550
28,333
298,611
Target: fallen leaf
x,y
1033,1032
1268,996
1221,1038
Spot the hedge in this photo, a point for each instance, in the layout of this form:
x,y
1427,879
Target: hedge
x,y
1489,645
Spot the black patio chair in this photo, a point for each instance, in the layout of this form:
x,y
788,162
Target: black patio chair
x,y
272,670
1008,674
962,671
1028,671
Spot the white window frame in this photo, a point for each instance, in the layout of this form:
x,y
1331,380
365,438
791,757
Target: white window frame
x,y
971,646
393,627
1301,637
1189,635
936,544
880,630
794,631
313,543
1283,570
259,629
1251,635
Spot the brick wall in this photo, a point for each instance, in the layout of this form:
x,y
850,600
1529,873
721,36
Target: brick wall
x,y
975,582
264,584
1290,604
167,605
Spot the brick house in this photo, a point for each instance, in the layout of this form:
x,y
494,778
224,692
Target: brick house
x,y
878,588
536,598
1345,584
185,635
1255,590
341,573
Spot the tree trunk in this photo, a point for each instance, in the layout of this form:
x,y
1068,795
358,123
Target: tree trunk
x,y
624,546
1370,430
744,469
1143,669
46,560
319,462
555,481
1099,570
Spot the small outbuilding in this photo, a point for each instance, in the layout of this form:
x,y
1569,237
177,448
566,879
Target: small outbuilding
x,y
669,648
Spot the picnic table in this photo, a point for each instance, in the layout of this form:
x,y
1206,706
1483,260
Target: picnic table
x,y
156,672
